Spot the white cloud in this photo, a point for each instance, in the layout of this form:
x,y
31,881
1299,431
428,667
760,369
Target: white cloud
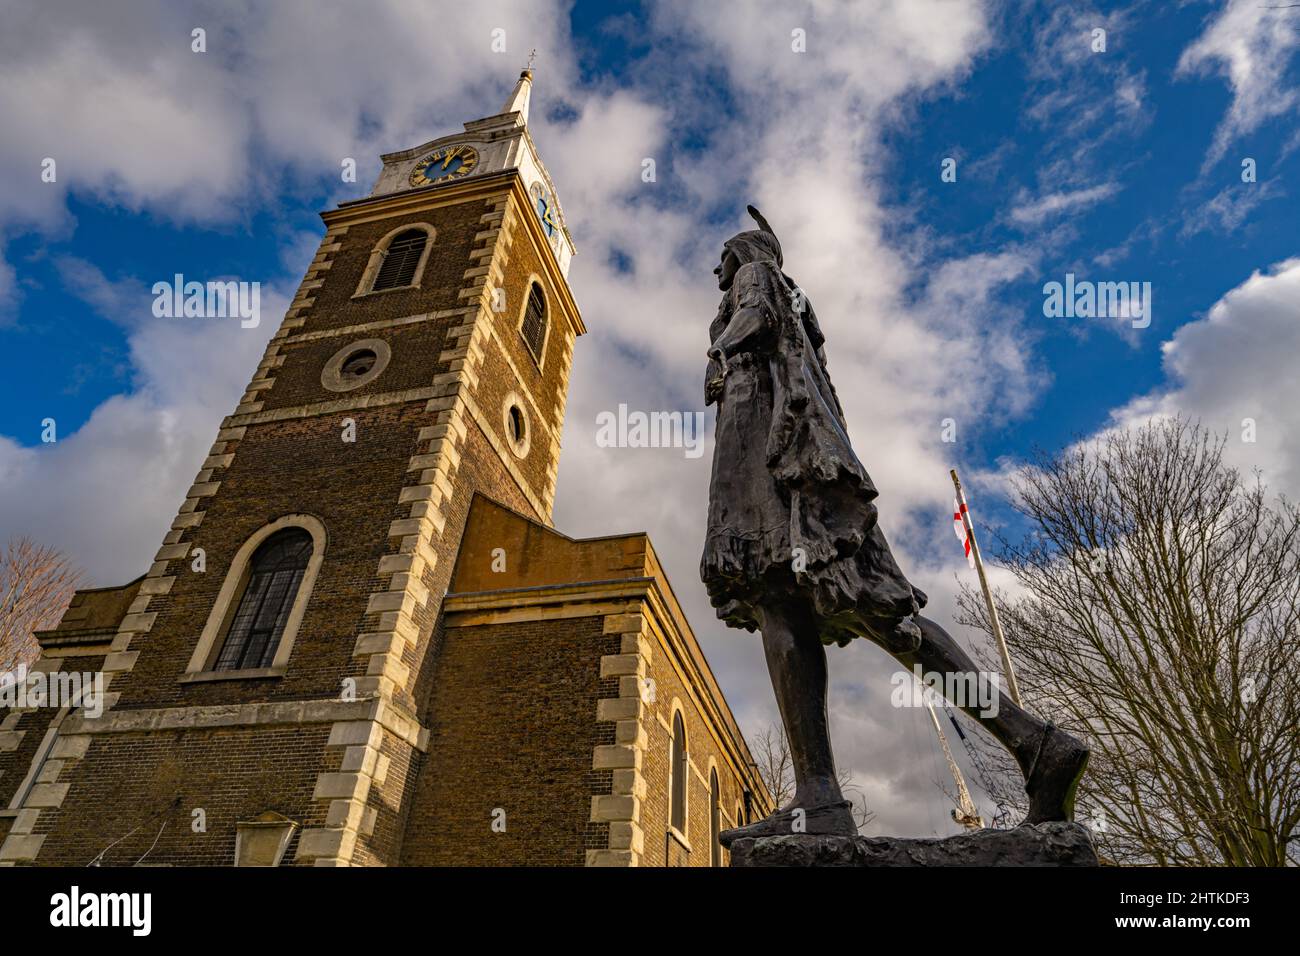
x,y
285,91
142,124
1034,212
127,301
133,117
1228,210
106,493
1251,46
1084,97
1237,363
8,291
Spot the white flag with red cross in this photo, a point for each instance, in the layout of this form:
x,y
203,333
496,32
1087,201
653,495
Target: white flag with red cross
x,y
959,526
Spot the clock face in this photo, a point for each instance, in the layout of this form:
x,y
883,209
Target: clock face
x,y
545,210
450,162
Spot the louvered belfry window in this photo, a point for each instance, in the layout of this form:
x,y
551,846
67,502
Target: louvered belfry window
x,y
275,574
534,327
401,260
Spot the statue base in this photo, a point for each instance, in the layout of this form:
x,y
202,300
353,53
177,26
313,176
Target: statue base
x,y
1044,844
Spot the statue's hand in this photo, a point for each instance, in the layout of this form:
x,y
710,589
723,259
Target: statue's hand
x,y
717,371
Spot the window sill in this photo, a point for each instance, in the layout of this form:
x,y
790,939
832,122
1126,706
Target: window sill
x,y
7,814
680,837
396,288
253,673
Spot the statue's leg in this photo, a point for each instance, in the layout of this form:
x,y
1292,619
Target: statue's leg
x,y
796,662
1014,727
1051,760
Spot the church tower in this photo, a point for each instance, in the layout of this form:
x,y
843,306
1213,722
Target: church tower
x,y
361,631
424,358
466,232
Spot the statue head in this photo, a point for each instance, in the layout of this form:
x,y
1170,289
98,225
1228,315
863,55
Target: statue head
x,y
755,245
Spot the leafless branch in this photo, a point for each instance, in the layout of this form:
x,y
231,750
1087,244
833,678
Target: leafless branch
x,y
36,584
771,750
1159,620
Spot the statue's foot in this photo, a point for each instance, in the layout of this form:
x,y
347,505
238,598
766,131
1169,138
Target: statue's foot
x,y
1054,776
830,819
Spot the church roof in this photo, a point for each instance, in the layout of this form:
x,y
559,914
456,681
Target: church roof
x,y
93,616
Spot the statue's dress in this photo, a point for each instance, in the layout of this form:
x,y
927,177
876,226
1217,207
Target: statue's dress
x,y
790,512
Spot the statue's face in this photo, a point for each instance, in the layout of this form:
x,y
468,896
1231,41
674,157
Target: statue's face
x,y
726,270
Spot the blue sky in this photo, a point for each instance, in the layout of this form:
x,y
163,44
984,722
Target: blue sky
x,y
75,358
1122,165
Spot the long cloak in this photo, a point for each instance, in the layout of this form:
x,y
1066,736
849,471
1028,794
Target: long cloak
x,y
791,513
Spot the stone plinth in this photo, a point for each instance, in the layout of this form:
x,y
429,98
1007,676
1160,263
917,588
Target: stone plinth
x,y
1046,844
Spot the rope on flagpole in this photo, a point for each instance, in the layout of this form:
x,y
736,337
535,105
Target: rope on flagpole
x,y
1013,689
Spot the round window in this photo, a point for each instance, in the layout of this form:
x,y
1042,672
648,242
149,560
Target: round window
x,y
358,364
515,420
355,365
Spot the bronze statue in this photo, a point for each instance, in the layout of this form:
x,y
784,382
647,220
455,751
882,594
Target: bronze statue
x,y
794,549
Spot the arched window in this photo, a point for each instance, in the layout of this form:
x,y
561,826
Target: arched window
x,y
677,797
715,820
275,574
533,328
401,260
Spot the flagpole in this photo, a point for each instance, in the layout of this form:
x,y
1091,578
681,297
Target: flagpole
x,y
965,813
1013,689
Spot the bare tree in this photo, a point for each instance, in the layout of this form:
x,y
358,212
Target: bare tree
x,y
36,584
857,797
772,754
1160,599
771,750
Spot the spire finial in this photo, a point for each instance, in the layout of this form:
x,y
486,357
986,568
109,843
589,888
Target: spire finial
x,y
531,56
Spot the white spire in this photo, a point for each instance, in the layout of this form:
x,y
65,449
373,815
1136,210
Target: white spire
x,y
518,101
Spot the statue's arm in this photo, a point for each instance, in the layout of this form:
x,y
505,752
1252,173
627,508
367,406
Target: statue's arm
x,y
745,326
739,330
739,334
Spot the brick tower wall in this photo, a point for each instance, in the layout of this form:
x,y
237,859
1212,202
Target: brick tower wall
x,y
429,434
